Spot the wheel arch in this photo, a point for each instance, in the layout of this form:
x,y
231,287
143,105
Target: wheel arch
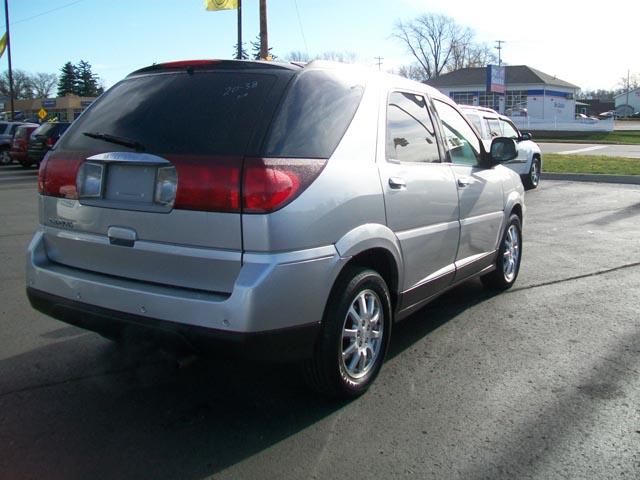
x,y
374,246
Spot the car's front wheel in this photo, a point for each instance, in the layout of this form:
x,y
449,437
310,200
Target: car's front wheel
x,y
532,179
355,335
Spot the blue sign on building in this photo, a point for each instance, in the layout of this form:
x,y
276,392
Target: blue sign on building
x,y
49,103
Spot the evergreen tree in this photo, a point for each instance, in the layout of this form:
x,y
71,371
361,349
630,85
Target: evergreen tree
x,y
86,81
67,81
243,54
255,47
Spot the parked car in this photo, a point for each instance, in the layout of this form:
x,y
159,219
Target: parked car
x,y
43,139
7,130
290,212
20,143
490,123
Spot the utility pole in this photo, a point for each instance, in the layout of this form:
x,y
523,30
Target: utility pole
x,y
499,48
379,59
264,38
628,87
6,16
239,53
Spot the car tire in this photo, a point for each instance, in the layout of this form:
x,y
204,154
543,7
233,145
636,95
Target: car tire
x,y
508,259
5,157
352,344
532,179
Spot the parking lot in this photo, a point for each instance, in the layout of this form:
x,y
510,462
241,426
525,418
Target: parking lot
x,y
540,382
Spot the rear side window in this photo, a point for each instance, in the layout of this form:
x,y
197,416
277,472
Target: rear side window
x,y
494,127
314,115
22,132
410,132
3,127
200,113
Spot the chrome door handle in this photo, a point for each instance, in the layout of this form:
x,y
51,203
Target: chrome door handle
x,y
397,183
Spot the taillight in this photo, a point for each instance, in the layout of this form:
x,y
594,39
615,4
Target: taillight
x,y
269,184
49,142
57,175
208,183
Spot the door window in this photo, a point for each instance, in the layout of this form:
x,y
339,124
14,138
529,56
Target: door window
x,y
494,127
410,132
463,144
509,130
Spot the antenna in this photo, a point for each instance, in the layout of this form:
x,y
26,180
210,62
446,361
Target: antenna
x,y
499,47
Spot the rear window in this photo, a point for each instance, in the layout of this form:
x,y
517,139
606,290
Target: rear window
x,y
44,129
177,113
315,114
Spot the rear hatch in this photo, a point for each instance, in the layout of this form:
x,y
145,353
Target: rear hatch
x,y
146,184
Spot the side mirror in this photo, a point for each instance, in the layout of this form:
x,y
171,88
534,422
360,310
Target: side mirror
x,y
526,136
503,149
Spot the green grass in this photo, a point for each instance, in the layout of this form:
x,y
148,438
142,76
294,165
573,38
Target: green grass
x,y
619,137
598,164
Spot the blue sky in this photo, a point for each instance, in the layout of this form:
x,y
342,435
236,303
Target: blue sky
x,y
567,39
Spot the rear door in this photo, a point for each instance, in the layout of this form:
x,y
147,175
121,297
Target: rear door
x,y
420,196
479,191
158,163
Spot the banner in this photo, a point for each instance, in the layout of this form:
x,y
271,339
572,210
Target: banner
x,y
3,44
213,5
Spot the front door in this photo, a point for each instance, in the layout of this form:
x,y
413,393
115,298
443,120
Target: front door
x,y
479,192
421,200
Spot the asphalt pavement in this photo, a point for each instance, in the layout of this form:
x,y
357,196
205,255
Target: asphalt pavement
x,y
628,151
541,382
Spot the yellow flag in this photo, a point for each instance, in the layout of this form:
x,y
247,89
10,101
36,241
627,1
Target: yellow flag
x,y
3,43
221,4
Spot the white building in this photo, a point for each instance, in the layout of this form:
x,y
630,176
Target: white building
x,y
529,92
628,103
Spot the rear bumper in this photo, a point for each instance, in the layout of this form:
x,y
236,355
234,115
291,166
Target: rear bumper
x,y
278,345
272,294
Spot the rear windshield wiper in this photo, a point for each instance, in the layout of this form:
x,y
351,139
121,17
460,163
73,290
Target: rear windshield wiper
x,y
127,142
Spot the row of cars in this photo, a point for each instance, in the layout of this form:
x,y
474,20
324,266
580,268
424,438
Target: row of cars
x,y
27,143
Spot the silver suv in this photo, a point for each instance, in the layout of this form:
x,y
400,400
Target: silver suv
x,y
271,210
528,163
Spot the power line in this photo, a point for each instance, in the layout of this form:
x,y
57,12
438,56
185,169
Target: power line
x,y
301,29
48,11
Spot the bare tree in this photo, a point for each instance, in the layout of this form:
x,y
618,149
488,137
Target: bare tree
x,y
440,45
44,84
336,56
22,84
412,72
629,83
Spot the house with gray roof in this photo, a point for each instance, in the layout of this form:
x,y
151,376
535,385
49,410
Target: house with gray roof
x,y
529,92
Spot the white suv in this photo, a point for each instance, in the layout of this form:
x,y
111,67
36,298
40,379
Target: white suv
x,y
490,124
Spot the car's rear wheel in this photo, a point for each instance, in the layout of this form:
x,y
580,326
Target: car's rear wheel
x,y
508,259
5,158
354,337
532,179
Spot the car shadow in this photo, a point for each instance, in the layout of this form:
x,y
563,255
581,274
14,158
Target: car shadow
x,y
86,408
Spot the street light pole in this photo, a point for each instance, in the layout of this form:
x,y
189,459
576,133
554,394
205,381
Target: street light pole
x,y
6,16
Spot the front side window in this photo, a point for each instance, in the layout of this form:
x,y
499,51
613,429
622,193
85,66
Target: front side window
x,y
463,145
509,130
410,132
475,119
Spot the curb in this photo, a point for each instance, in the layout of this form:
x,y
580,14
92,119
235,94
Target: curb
x,y
596,178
